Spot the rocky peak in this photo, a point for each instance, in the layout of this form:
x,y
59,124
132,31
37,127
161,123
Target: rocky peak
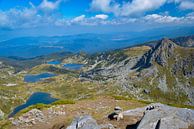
x,y
166,43
159,54
163,50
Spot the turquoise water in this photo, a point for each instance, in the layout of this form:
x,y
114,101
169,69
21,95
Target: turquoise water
x,y
35,98
55,62
73,66
31,78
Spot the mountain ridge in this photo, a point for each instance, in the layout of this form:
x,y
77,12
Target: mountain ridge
x,y
159,53
154,68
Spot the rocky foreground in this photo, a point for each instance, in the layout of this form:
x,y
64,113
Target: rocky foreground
x,y
153,116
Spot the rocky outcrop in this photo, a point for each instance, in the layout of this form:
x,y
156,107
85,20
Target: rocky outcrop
x,y
159,54
185,66
84,122
87,122
153,116
164,50
30,118
159,116
35,116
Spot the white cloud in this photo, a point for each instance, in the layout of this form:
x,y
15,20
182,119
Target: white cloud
x,y
48,5
88,21
4,20
126,8
140,6
79,18
34,17
105,6
29,17
162,19
183,4
136,7
190,17
101,16
23,18
187,5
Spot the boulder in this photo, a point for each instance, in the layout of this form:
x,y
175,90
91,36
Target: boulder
x,y
159,116
138,112
84,122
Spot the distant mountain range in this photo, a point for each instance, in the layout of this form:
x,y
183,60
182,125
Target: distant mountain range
x,y
28,47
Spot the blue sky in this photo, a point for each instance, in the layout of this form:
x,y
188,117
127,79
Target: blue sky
x,y
60,17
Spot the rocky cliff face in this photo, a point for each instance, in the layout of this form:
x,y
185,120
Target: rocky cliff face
x,y
165,69
160,53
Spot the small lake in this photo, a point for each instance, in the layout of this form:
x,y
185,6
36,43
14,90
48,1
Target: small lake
x,y
31,78
54,62
73,66
35,98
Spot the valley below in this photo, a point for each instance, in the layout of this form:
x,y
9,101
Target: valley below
x,y
150,86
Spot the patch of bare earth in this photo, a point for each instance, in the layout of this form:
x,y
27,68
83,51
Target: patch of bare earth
x,y
99,108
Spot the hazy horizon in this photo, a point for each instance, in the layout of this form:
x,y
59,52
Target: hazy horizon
x,y
70,17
